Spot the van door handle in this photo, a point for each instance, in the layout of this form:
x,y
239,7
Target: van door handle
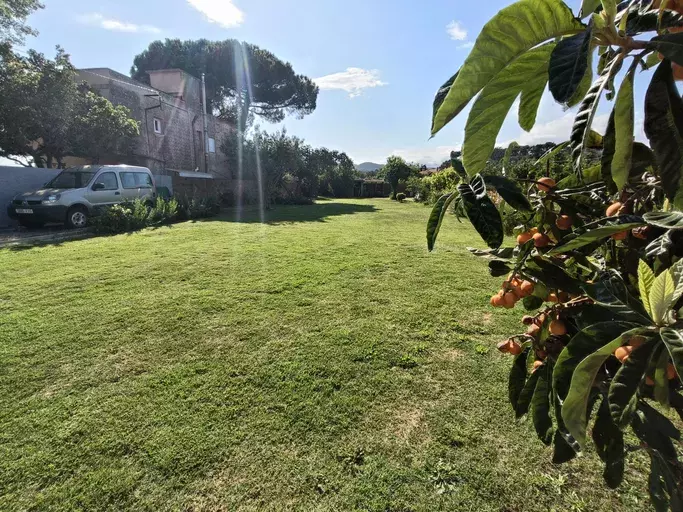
x,y
117,193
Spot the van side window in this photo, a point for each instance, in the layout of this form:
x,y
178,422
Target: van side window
x,y
108,179
136,180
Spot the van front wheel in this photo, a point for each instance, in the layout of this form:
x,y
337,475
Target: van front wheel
x,y
77,217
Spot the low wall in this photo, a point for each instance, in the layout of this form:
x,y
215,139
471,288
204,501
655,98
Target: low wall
x,y
14,180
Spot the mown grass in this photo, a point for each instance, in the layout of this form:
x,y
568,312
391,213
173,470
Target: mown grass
x,y
321,361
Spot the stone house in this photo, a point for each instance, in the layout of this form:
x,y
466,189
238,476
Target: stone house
x,y
171,141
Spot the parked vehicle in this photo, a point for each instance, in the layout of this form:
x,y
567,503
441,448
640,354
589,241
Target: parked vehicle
x,y
75,194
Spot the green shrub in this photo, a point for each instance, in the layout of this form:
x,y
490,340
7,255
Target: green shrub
x,y
198,208
400,197
135,215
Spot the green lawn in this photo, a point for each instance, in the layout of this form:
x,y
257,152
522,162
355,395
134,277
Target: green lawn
x,y
321,361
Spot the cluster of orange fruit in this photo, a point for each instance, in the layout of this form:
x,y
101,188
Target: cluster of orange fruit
x,y
513,290
556,327
624,352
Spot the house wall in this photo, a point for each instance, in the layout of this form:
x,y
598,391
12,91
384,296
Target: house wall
x,y
180,146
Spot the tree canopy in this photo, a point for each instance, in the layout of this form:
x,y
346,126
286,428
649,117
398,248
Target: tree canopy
x,y
275,90
13,14
45,115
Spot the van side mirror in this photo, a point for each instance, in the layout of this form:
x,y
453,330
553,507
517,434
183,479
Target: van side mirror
x,y
98,186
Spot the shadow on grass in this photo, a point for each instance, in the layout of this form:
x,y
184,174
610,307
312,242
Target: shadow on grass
x,y
317,212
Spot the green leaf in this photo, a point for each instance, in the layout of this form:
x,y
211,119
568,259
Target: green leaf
x,y
645,279
624,387
441,96
639,22
540,405
585,342
661,293
611,226
456,163
664,129
673,339
610,9
568,64
517,377
532,303
503,252
661,392
669,45
609,443
508,153
584,118
584,85
529,103
624,118
436,218
524,399
493,104
575,405
498,268
677,274
509,190
482,212
610,144
551,153
666,220
588,7
509,34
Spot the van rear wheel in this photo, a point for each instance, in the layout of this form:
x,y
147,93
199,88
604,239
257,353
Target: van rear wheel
x,y
77,217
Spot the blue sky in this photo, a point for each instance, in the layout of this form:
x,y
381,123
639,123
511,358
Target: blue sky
x,y
378,62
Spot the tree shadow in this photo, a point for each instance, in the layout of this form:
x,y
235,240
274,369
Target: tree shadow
x,y
284,214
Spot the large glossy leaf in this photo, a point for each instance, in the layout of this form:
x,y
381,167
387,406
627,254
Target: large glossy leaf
x,y
584,85
609,443
482,212
509,34
492,105
645,279
666,220
529,103
588,7
610,226
509,190
661,391
664,129
673,339
517,377
584,118
661,293
623,391
582,344
639,22
441,96
568,65
624,118
610,143
610,291
574,409
525,397
677,274
540,405
502,252
669,45
436,217
551,153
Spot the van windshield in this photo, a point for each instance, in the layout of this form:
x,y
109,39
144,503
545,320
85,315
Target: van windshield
x,y
71,179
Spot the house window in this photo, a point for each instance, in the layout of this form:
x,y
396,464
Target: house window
x,y
212,145
157,125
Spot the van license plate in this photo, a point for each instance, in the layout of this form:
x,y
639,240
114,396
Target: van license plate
x,y
24,210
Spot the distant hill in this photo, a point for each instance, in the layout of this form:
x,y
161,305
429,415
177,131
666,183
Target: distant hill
x,y
368,167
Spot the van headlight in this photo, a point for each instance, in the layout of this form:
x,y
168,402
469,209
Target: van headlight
x,y
51,199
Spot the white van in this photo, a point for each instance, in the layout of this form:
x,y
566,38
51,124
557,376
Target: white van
x,y
75,194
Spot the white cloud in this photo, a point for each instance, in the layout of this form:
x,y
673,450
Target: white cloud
x,y
466,46
98,20
353,81
431,156
557,130
456,31
222,12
